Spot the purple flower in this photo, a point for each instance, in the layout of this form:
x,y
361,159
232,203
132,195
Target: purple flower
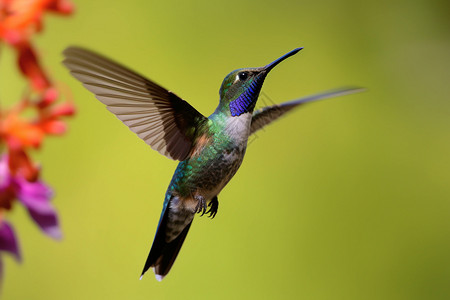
x,y
8,243
35,196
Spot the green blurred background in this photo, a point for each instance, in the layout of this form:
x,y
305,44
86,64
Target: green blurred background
x,y
344,199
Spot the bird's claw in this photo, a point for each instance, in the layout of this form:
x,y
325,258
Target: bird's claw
x,y
201,206
213,207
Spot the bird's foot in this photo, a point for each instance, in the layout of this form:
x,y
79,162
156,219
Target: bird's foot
x,y
213,207
201,205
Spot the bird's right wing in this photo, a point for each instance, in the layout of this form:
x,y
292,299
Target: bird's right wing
x,y
159,117
268,114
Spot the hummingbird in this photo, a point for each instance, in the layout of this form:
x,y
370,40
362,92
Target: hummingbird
x,y
210,149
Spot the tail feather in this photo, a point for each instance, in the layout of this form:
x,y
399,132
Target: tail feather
x,y
163,254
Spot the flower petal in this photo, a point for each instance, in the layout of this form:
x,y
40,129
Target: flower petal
x,y
31,68
53,126
8,241
61,6
48,223
7,193
34,195
5,174
65,109
36,198
49,96
20,133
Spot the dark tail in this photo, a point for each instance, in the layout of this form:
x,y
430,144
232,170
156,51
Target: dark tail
x,y
162,254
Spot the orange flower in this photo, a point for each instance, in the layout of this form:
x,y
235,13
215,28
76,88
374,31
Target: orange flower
x,y
20,133
30,67
19,19
27,123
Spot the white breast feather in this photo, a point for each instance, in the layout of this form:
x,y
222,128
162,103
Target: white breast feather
x,y
238,128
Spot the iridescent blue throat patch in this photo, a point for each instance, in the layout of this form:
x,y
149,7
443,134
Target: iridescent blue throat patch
x,y
247,100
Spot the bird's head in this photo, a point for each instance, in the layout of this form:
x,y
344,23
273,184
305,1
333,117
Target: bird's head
x,y
240,89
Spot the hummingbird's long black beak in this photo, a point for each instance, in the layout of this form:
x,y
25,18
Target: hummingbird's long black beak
x,y
277,61
248,95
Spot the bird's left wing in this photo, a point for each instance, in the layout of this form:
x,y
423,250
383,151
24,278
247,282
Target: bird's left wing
x,y
159,117
268,114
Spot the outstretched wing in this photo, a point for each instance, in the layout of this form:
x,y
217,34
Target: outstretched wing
x,y
163,120
268,114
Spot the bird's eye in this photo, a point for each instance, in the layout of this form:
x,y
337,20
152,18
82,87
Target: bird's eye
x,y
242,76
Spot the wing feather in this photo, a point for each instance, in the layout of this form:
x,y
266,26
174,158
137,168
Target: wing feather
x,y
159,117
268,114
